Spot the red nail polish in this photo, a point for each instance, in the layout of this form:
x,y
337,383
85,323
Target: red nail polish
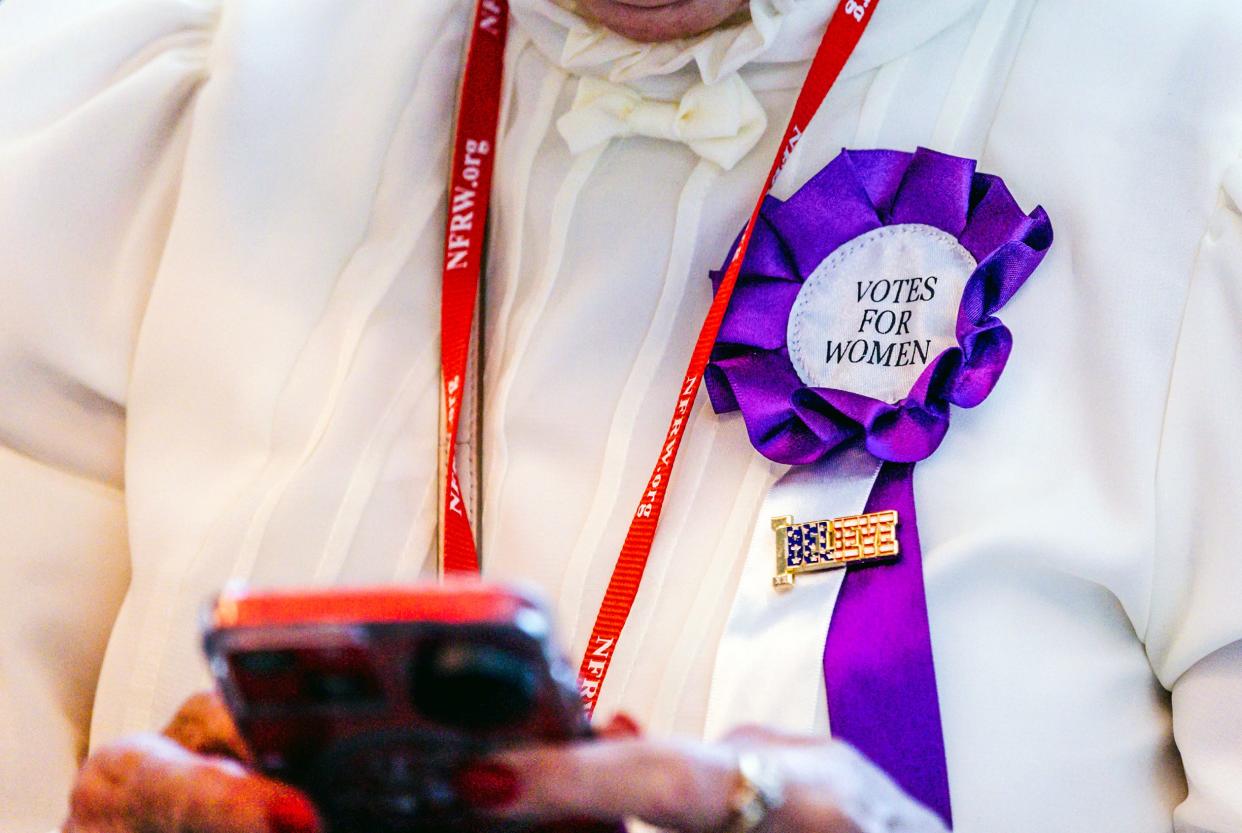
x,y
487,786
292,813
625,725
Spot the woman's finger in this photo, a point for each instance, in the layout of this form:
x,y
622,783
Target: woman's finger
x,y
621,726
684,786
150,783
752,735
203,725
692,787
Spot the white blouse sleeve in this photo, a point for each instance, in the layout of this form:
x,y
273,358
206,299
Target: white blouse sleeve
x,y
1194,635
94,99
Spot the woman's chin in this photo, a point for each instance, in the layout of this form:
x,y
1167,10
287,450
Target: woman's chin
x,y
659,20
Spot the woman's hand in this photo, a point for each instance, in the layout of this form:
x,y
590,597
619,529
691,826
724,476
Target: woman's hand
x,y
193,778
827,787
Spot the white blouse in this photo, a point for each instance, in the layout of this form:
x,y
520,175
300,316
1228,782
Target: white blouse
x,y
220,228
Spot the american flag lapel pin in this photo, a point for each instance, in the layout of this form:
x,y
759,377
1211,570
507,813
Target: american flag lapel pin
x,y
813,546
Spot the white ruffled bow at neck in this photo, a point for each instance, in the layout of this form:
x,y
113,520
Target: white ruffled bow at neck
x,y
720,122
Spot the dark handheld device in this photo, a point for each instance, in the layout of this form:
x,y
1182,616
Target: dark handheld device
x,y
373,700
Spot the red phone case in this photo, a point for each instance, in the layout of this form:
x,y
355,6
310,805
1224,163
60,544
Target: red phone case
x,y
372,700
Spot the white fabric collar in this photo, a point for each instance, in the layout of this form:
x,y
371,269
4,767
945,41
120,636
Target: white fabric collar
x,y
777,32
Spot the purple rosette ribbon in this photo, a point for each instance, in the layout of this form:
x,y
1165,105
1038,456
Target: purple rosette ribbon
x,y
878,659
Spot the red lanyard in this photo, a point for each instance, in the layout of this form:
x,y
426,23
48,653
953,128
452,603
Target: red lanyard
x,y
468,198
470,190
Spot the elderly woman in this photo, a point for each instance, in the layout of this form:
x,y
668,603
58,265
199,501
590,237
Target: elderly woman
x,y
222,241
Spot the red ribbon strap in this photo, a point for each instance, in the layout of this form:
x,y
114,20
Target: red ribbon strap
x,y
470,188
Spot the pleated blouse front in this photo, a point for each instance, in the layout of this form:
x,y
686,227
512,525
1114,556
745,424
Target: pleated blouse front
x,y
223,227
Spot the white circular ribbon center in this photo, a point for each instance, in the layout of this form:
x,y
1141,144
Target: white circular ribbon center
x,y
878,310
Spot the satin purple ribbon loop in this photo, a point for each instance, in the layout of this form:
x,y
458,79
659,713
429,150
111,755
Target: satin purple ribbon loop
x,y
878,660
857,192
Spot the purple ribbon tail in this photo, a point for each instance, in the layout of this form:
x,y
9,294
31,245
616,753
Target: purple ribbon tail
x,y
878,667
